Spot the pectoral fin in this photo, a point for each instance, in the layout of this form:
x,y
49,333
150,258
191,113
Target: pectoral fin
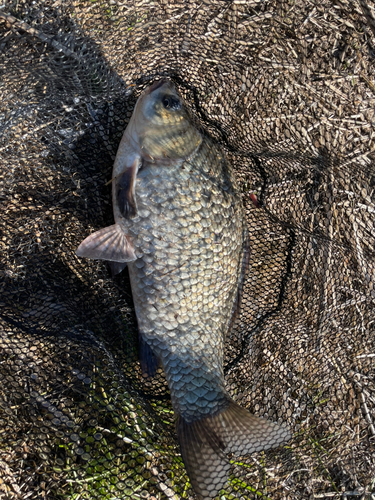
x,y
110,243
125,190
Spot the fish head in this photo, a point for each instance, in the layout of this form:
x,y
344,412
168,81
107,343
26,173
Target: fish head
x,y
162,125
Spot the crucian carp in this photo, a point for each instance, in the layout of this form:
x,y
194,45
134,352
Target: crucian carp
x,y
180,227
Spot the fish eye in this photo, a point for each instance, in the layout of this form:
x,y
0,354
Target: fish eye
x,y
170,102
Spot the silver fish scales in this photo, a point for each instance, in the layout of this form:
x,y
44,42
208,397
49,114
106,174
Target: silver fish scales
x,y
180,228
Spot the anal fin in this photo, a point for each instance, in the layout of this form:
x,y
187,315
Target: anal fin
x,y
149,362
110,243
116,267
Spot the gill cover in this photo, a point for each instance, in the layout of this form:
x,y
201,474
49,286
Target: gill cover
x,y
164,126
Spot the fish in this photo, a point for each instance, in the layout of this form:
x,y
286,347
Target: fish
x,y
180,228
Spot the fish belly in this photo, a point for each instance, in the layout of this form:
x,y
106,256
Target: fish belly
x,y
189,247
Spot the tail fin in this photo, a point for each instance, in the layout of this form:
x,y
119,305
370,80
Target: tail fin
x,y
205,443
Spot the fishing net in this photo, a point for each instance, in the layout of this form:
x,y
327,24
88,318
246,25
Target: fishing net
x,y
287,88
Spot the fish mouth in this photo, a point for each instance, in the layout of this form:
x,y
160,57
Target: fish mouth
x,y
156,85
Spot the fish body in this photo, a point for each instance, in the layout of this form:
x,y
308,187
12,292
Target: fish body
x,y
180,228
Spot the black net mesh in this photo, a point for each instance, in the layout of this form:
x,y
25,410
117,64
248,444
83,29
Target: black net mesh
x,y
288,90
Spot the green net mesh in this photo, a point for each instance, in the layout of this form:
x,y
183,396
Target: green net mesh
x,y
288,90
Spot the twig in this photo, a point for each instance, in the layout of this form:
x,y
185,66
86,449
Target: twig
x,y
168,492
125,439
348,303
33,31
361,261
330,494
367,414
368,15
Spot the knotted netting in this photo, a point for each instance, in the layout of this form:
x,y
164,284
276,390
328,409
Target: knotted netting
x,y
287,89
